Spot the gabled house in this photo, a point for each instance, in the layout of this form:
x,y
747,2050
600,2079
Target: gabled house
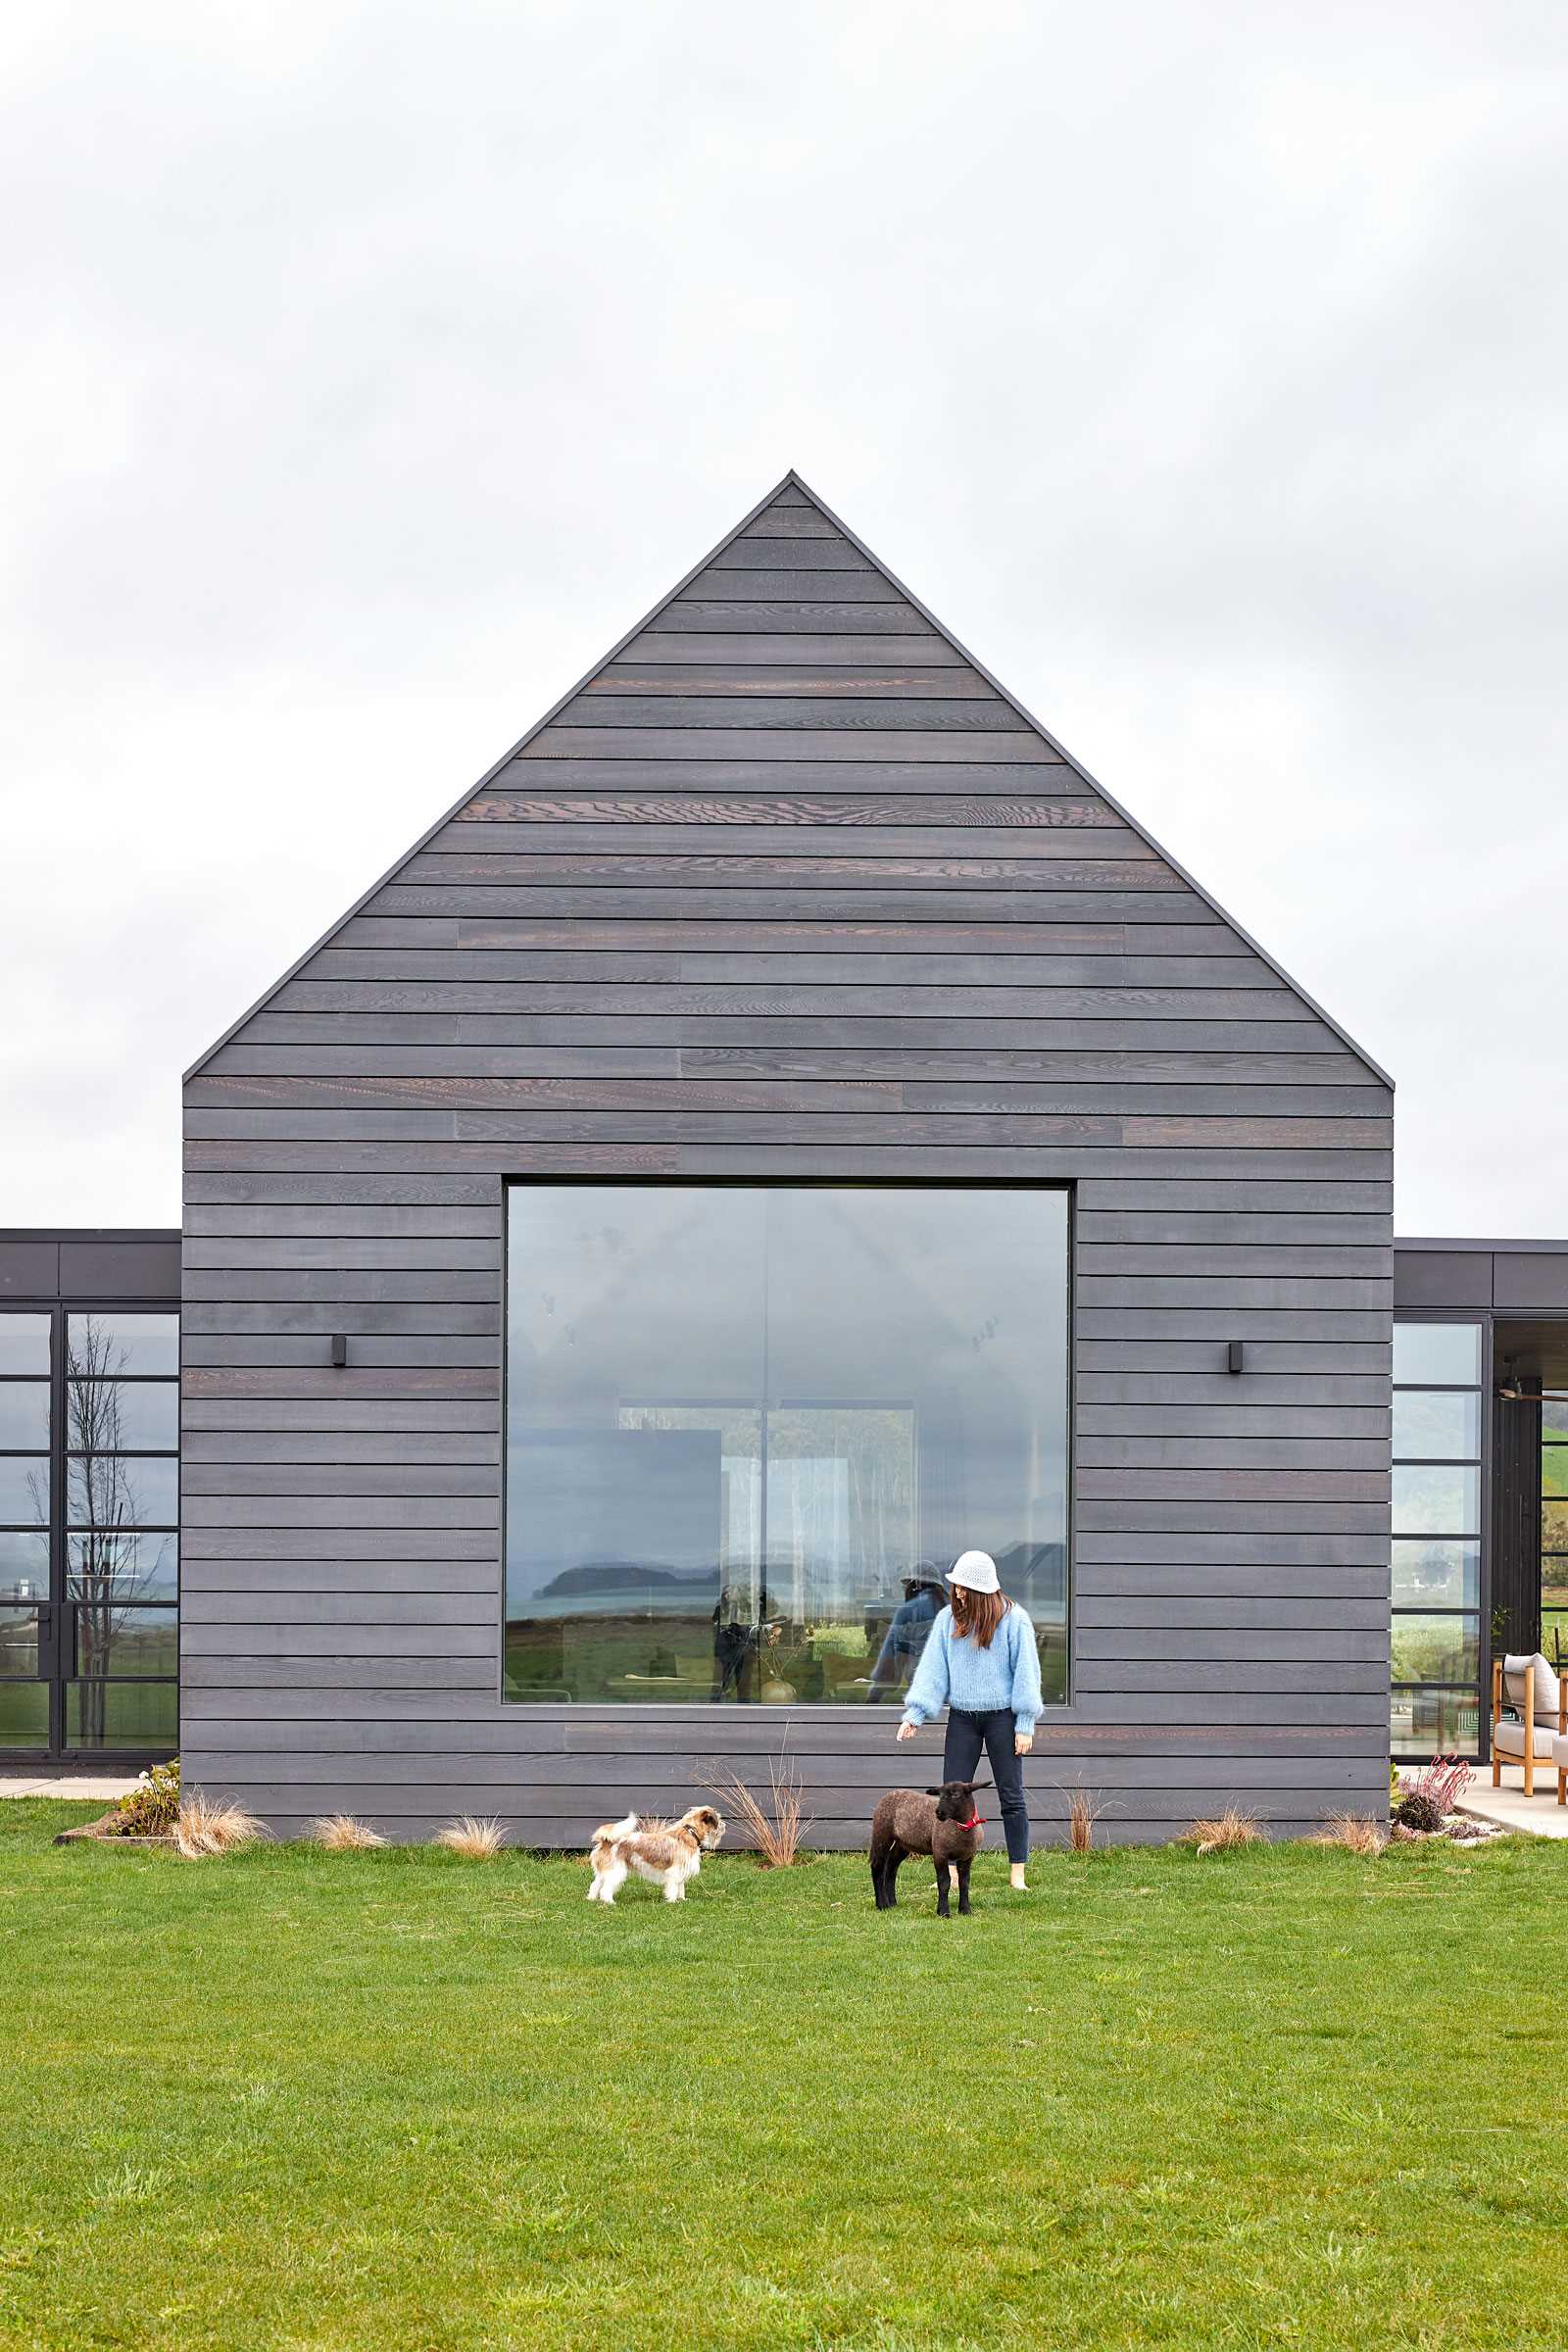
x,y
787,1123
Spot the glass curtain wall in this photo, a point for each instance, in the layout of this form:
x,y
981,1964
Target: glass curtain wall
x,y
1554,1527
122,1441
1435,1576
748,1430
26,1516
89,1543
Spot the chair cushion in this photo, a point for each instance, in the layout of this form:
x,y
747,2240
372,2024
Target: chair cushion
x,y
1544,1691
1508,1738
1559,1753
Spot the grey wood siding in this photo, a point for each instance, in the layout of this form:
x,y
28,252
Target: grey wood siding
x,y
788,887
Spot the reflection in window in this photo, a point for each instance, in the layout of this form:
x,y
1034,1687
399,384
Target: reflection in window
x,y
1554,1529
1436,1554
748,1429
114,1346
23,1345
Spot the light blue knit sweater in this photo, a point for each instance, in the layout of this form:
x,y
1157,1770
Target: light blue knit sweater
x,y
956,1672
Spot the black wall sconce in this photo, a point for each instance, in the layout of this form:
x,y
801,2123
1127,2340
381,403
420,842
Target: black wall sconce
x,y
340,1347
1236,1356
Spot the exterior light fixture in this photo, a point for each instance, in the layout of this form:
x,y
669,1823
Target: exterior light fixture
x,y
1235,1356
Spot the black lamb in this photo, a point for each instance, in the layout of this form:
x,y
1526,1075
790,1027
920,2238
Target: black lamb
x,y
942,1823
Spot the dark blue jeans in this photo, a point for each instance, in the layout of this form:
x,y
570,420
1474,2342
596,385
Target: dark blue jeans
x,y
968,1734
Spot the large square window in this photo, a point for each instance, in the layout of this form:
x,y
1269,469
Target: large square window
x,y
748,1429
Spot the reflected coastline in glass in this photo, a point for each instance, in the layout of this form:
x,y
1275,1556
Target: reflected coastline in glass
x,y
744,1425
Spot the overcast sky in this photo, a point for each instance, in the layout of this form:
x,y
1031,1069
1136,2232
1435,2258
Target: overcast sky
x,y
369,370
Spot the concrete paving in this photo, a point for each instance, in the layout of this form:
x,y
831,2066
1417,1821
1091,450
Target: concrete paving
x,y
1538,1816
100,1787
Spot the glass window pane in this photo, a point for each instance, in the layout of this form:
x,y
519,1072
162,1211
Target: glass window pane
x,y
1435,1576
18,1639
110,1344
1436,1649
122,1416
118,1567
115,1641
121,1490
1554,1470
122,1715
23,1415
23,1714
1443,1501
1554,1416
23,1566
1437,1425
748,1430
25,1489
1426,1723
1448,1353
1554,1627
23,1343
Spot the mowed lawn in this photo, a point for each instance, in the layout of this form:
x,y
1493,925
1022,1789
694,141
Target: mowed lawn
x,y
290,2099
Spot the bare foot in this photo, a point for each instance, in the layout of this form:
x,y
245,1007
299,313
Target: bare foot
x,y
1019,1884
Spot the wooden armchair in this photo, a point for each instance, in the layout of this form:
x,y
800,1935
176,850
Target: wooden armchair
x,y
1539,1701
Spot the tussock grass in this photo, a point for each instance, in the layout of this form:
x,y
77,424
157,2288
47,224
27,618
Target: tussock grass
x,y
207,1827
341,1834
1083,1811
776,1834
1356,1833
1222,1833
475,1840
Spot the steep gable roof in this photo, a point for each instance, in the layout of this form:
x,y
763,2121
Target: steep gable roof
x,y
904,628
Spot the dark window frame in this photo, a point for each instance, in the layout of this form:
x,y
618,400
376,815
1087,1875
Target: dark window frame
x,y
1064,1188
58,1626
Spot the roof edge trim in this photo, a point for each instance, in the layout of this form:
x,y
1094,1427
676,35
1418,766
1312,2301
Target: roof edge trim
x,y
789,480
1094,784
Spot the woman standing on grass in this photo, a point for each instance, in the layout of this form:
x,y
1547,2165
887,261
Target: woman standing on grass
x,y
980,1662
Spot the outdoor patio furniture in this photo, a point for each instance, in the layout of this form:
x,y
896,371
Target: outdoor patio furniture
x,y
1560,1751
1536,1717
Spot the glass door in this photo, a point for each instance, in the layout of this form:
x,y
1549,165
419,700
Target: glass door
x,y
89,1532
28,1519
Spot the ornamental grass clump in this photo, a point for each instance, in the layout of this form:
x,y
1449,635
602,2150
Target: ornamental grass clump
x,y
776,1834
474,1840
1222,1833
203,1828
1083,1811
341,1834
1355,1833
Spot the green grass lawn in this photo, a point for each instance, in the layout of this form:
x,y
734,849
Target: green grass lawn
x,y
1279,2097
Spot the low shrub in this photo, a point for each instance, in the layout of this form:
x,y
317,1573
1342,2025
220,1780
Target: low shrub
x,y
341,1834
203,1826
1223,1831
152,1807
475,1840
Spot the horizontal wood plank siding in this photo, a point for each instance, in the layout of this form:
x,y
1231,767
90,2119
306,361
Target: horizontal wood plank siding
x,y
788,889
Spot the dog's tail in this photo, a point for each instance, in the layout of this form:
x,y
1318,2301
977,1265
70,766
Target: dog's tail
x,y
609,1831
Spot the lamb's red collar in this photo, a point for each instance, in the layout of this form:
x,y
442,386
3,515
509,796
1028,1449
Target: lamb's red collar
x,y
975,1822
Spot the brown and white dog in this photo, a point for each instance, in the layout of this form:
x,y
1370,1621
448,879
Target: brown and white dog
x,y
666,1852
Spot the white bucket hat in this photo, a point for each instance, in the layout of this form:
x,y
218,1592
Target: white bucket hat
x,y
976,1571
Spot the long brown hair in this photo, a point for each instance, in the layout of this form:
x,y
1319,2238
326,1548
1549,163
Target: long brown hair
x,y
978,1614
